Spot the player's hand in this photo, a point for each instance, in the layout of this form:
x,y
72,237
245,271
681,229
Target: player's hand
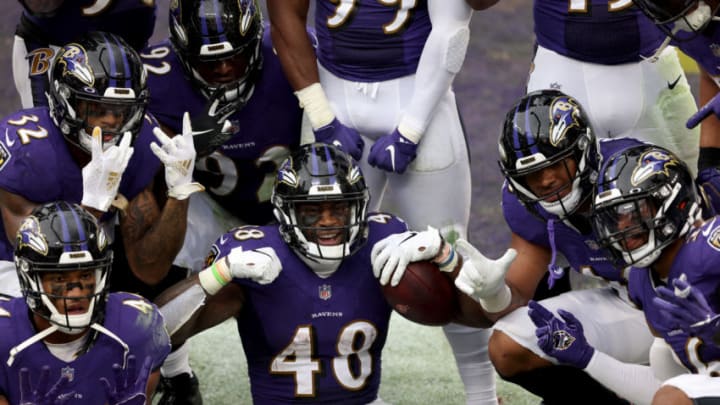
x,y
346,138
483,279
708,180
711,107
40,394
129,385
392,153
260,265
178,156
101,177
687,307
211,126
390,256
562,339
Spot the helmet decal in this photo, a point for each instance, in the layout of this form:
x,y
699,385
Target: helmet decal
x,y
651,163
354,176
563,116
30,235
74,62
287,175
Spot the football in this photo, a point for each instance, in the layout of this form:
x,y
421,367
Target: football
x,y
424,295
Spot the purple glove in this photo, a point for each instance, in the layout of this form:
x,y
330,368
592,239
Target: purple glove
x,y
563,340
129,387
712,107
346,138
688,308
41,395
708,180
392,153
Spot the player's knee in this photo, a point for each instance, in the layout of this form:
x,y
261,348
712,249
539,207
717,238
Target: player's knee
x,y
669,395
508,357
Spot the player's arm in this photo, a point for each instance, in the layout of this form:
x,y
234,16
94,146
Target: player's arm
x,y
288,19
14,209
3,400
153,236
502,285
441,59
481,4
209,297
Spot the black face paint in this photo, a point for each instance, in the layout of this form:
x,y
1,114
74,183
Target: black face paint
x,y
71,286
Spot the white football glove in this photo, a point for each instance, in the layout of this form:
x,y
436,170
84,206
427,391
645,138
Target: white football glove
x,y
391,255
260,265
484,279
178,156
101,177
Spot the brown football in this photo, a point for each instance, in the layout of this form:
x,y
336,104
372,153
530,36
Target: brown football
x,y
424,295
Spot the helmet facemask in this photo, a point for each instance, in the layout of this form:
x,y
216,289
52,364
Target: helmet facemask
x,y
681,20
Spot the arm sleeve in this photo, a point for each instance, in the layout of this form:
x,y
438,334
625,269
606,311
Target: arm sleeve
x,y
635,382
441,59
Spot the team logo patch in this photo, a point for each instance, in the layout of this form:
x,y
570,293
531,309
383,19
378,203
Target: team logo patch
x,y
74,62
562,340
651,163
715,48
29,235
4,155
714,239
325,292
68,372
563,116
593,245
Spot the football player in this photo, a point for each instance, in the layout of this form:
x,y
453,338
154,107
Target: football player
x,y
595,50
380,88
647,213
549,156
99,347
311,315
692,26
46,25
218,64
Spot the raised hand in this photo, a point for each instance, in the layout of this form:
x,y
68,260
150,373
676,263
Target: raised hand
x,y
483,279
41,395
130,386
346,138
562,339
390,256
178,156
211,126
393,152
711,107
687,307
102,175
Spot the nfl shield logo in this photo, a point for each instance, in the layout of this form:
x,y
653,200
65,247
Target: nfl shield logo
x,y
67,372
325,292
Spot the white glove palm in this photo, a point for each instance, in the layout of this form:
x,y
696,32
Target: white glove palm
x,y
484,279
391,255
178,156
101,177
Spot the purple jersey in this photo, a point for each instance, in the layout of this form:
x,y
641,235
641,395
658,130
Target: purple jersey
x,y
597,31
240,174
36,163
139,330
134,20
703,48
370,40
699,259
581,250
312,339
